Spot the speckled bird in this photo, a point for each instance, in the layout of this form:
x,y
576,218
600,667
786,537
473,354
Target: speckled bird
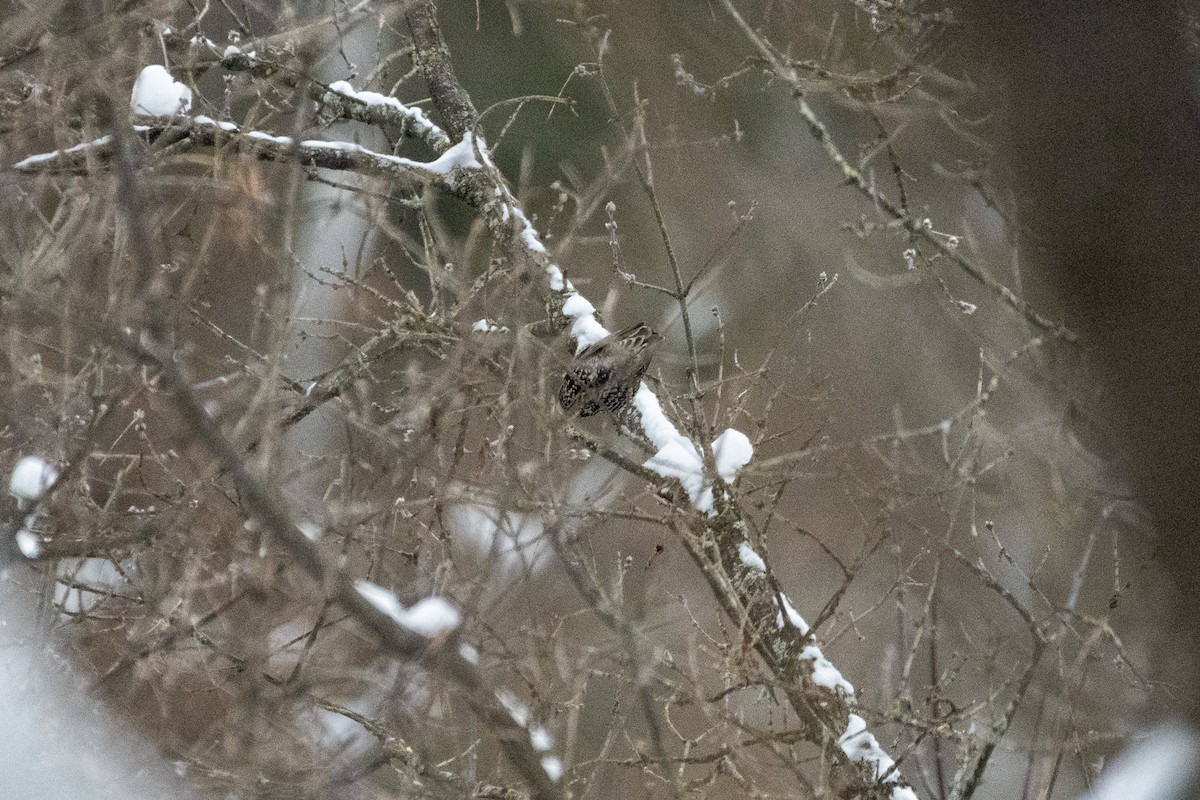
x,y
604,376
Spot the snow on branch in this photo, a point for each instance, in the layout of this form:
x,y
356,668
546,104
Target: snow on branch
x,y
859,745
856,742
678,456
157,94
339,99
32,477
430,617
206,132
374,108
58,159
539,737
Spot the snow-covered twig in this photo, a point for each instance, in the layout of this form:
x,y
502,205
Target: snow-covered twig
x,y
810,666
204,131
32,477
339,99
376,109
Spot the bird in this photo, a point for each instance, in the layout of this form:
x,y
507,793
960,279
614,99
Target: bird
x,y
605,375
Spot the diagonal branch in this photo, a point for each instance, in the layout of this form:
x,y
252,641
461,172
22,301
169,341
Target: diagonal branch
x,y
433,57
